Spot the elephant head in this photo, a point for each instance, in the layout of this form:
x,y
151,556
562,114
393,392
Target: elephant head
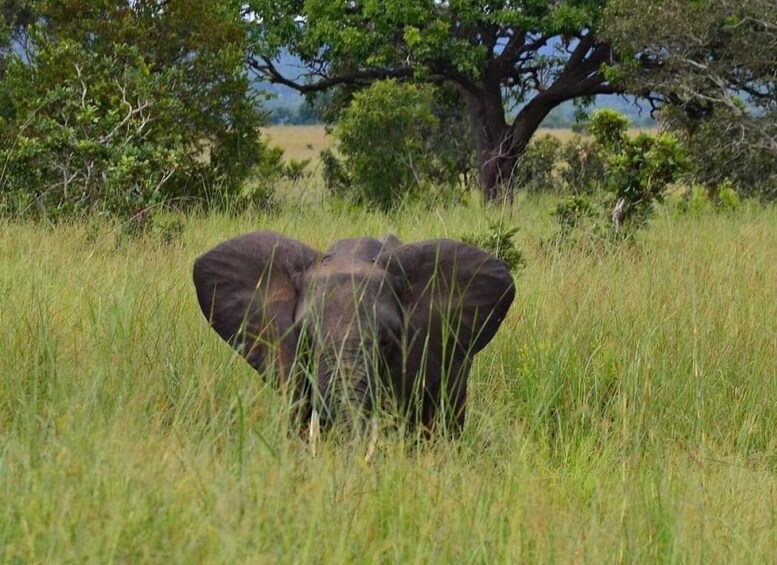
x,y
366,319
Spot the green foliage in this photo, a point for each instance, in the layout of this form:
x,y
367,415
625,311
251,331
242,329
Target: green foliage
x,y
583,225
702,81
728,198
450,142
696,200
571,212
638,169
616,179
534,172
424,34
582,168
257,192
609,128
497,55
336,179
728,146
296,170
78,143
120,107
575,166
500,243
388,137
699,199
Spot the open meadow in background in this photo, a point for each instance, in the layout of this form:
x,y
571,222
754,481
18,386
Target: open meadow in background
x,y
306,142
625,412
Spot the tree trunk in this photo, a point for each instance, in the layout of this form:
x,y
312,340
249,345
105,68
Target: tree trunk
x,y
500,146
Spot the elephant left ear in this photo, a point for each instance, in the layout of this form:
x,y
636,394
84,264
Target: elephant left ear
x,y
453,293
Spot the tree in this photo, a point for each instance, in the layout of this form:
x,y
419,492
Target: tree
x,y
399,141
713,63
382,137
639,168
115,106
15,16
527,54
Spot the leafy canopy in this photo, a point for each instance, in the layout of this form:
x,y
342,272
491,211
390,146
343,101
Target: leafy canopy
x,y
714,62
116,106
525,44
525,55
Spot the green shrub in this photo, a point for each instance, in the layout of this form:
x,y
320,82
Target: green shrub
x,y
572,212
633,172
259,191
111,120
695,200
609,128
296,170
638,169
381,138
728,196
700,199
499,242
582,168
392,144
728,147
336,179
534,172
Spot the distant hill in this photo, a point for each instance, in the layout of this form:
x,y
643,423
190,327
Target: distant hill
x,y
286,101
637,112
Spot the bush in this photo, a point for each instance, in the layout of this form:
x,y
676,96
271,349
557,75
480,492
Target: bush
x,y
499,242
700,199
633,172
726,147
609,128
336,178
392,145
534,172
582,168
381,137
113,120
572,212
728,197
638,169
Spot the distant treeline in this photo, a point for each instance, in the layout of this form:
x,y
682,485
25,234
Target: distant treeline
x,y
559,120
303,115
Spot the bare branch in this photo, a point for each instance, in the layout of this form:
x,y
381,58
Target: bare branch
x,y
266,69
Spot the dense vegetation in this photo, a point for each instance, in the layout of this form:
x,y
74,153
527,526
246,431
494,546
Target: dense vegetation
x,y
516,62
118,107
121,108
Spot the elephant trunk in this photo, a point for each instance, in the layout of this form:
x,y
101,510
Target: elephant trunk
x,y
347,394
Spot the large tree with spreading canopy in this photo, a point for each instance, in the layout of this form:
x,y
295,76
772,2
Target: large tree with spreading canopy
x,y
524,57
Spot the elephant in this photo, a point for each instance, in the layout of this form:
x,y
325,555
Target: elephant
x,y
367,323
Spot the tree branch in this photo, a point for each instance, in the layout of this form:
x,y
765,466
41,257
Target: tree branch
x,y
266,69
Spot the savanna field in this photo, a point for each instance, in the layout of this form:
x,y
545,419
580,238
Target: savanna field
x,y
625,412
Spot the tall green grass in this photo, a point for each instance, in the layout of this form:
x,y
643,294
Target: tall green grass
x,y
626,411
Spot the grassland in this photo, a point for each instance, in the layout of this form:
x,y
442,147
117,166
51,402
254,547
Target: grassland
x,y
305,142
626,412
300,142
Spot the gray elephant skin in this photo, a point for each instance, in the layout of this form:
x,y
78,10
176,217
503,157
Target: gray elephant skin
x,y
368,323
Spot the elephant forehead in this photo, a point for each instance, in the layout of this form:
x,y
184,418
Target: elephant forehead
x,y
346,284
364,248
341,271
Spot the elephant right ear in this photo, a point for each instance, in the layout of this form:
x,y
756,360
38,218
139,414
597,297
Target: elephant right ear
x,y
247,288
